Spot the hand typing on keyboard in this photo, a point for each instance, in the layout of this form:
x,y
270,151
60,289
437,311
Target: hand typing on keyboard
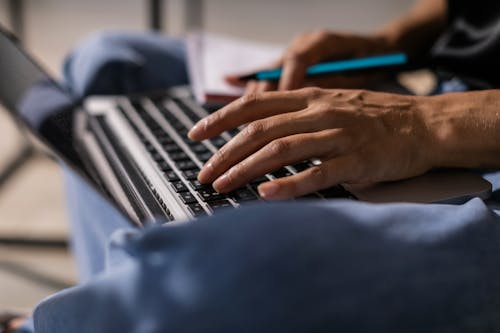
x,y
359,136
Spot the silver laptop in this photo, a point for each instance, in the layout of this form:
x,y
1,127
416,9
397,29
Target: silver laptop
x,y
134,149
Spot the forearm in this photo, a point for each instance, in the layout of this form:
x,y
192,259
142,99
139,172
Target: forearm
x,y
416,31
464,129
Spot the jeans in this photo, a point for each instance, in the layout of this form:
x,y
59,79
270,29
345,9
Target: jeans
x,y
337,266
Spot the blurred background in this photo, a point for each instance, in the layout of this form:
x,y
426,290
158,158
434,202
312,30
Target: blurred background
x,y
34,257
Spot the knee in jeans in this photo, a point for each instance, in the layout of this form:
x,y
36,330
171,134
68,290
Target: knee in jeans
x,y
104,39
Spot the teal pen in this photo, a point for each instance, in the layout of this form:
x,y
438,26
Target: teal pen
x,y
338,67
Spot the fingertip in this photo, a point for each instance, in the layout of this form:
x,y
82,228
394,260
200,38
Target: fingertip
x,y
199,131
194,133
234,80
269,190
206,173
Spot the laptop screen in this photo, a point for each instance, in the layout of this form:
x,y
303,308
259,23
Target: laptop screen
x,y
35,100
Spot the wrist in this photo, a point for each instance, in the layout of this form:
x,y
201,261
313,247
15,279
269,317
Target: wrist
x,y
436,136
462,129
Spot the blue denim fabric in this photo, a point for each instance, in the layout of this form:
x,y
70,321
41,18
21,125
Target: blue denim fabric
x,y
337,266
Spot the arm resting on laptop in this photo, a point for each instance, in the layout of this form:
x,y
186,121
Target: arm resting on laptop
x,y
360,137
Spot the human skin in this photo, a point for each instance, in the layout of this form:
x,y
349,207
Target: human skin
x,y
360,136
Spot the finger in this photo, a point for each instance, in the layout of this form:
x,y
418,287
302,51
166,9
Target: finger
x,y
251,87
234,80
247,109
329,173
276,154
255,136
264,86
293,73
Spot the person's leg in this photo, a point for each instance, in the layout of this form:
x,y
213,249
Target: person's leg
x,y
341,267
119,63
112,63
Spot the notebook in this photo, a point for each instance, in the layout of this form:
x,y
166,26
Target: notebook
x,y
211,56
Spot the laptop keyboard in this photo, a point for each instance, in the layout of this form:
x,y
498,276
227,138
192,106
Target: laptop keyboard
x,y
162,126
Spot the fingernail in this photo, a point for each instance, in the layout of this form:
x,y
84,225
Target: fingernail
x,y
198,129
221,183
268,189
205,173
193,131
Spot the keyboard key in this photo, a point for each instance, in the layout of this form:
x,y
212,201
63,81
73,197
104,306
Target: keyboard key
x,y
282,173
301,166
259,180
234,132
209,194
159,132
179,186
198,148
183,132
179,127
243,194
204,157
255,187
191,174
186,165
164,166
188,197
157,157
219,204
195,184
171,176
165,140
186,109
218,142
179,156
171,147
196,209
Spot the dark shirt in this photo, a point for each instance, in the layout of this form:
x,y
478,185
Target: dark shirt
x,y
470,46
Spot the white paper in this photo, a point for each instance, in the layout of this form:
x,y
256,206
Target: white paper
x,y
210,57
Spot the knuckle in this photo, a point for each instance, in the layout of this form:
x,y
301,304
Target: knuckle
x,y
312,93
216,117
319,174
249,99
254,129
321,34
322,107
280,147
221,156
237,173
232,174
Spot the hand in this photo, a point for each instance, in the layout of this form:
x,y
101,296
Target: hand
x,y
360,137
312,48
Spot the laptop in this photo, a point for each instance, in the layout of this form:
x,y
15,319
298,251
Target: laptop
x,y
135,152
